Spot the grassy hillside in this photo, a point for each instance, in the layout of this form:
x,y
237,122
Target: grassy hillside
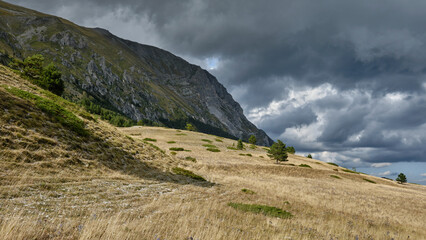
x,y
95,181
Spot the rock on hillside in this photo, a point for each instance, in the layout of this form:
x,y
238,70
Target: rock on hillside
x,y
140,81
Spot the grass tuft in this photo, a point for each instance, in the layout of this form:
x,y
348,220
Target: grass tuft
x,y
368,180
171,142
231,148
305,165
349,171
218,140
177,149
187,173
263,209
150,139
191,159
213,149
247,191
206,140
209,146
333,164
334,176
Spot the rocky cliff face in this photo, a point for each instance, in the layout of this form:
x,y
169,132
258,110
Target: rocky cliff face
x,y
140,81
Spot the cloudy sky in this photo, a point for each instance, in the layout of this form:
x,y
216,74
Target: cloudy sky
x,y
343,80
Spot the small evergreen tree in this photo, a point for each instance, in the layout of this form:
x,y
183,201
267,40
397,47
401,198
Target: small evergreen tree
x,y
291,150
401,178
240,145
278,152
252,139
309,156
190,127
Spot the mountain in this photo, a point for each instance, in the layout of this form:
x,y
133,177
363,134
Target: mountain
x,y
139,81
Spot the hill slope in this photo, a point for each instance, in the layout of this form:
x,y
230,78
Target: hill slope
x,y
63,180
140,81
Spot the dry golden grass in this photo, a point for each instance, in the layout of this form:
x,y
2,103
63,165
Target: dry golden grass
x,y
112,185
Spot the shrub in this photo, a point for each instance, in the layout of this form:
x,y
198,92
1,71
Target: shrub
x,y
263,209
213,149
150,139
190,127
187,173
291,150
245,190
401,178
305,165
48,77
309,156
177,149
240,145
252,139
278,151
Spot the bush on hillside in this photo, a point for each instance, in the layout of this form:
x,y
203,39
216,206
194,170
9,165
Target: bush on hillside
x,y
252,139
291,150
48,77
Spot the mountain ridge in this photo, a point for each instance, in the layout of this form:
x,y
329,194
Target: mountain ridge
x,y
140,81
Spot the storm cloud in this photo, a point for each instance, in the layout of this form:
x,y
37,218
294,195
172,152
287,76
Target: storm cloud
x,y
344,80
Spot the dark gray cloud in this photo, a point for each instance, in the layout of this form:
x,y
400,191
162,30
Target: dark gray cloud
x,y
343,79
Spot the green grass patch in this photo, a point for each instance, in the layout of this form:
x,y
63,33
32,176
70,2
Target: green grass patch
x,y
191,159
247,191
334,176
213,149
171,142
173,153
218,140
305,165
177,149
333,164
231,148
180,134
59,113
349,171
150,139
252,146
206,140
209,146
263,209
187,173
368,180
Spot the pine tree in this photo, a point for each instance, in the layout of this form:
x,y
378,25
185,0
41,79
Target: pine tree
x,y
401,178
278,152
240,145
